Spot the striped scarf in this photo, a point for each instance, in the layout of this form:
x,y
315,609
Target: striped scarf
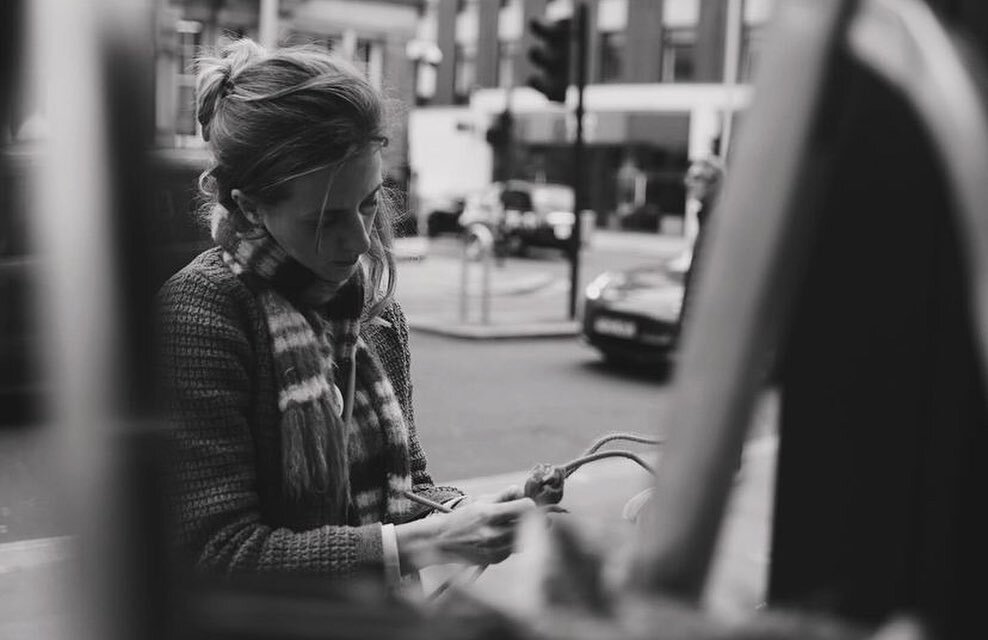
x,y
359,469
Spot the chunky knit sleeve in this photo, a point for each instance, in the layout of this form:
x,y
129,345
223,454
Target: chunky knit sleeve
x,y
399,369
206,360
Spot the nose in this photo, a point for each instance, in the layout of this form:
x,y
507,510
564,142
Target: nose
x,y
354,239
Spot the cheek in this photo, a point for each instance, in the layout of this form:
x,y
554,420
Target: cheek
x,y
369,221
292,237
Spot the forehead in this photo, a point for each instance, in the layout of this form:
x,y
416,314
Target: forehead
x,y
348,183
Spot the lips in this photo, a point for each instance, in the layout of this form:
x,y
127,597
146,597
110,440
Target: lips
x,y
338,270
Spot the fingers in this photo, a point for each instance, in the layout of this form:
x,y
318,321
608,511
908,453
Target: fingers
x,y
553,508
484,532
500,555
505,495
490,546
502,512
499,546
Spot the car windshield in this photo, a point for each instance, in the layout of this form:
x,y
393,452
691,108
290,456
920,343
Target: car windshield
x,y
517,200
552,198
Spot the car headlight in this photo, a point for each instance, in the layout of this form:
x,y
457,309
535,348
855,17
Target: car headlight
x,y
596,287
669,310
560,218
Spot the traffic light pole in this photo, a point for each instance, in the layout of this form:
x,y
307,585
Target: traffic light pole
x,y
508,152
578,173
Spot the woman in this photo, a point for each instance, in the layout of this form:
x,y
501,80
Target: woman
x,y
285,358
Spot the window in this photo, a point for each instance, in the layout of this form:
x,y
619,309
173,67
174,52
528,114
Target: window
x,y
465,71
507,50
751,45
611,55
367,56
189,34
362,55
679,55
465,50
330,42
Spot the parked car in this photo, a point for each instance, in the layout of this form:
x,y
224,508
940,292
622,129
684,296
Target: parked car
x,y
632,316
523,214
443,215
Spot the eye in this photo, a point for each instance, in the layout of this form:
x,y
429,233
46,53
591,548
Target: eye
x,y
369,206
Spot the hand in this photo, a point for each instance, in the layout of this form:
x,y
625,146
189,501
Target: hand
x,y
505,495
483,531
545,484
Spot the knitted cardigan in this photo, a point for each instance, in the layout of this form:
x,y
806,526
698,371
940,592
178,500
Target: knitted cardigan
x,y
224,447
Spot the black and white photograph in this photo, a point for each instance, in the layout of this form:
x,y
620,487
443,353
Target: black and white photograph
x,y
493,319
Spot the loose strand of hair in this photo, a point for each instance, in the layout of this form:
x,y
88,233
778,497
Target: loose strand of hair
x,y
384,267
322,208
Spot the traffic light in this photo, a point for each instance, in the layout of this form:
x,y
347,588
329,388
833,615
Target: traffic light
x,y
499,133
550,56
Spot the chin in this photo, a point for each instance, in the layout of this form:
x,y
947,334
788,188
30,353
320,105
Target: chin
x,y
335,275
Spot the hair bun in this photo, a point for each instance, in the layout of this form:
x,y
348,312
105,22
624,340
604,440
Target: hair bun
x,y
215,76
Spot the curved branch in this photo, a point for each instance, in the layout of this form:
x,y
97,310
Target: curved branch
x,y
572,466
414,497
631,437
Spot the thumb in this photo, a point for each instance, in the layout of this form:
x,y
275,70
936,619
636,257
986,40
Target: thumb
x,y
508,494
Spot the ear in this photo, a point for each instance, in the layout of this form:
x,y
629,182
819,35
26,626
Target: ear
x,y
248,205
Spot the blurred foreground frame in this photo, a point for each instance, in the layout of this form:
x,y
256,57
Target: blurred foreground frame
x,y
852,242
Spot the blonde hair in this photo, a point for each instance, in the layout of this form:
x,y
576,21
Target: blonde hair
x,y
269,117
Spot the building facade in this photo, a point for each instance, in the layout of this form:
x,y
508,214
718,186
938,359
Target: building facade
x,y
665,81
374,34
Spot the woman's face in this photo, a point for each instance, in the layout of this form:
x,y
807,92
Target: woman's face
x,y
332,250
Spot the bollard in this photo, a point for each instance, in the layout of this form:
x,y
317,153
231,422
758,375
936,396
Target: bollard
x,y
484,239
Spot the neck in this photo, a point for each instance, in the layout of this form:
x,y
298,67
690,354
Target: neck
x,y
319,292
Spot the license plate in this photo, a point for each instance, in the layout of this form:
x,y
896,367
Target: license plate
x,y
657,339
615,327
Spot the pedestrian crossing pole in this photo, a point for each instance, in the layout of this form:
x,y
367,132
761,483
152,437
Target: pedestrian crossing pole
x,y
268,24
579,57
732,67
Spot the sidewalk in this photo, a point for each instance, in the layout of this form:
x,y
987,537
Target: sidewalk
x,y
636,242
522,300
528,298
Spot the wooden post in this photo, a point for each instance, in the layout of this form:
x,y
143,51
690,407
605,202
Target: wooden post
x,y
744,287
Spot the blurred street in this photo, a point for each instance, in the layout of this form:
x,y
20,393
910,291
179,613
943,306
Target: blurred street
x,y
488,410
498,406
530,289
486,407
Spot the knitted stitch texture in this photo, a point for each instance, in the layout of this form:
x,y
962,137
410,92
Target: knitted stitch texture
x,y
230,511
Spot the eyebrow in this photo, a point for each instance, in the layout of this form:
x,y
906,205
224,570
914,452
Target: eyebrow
x,y
317,212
